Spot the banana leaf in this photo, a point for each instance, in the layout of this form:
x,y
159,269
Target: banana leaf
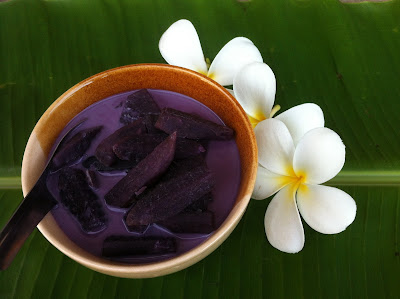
x,y
341,56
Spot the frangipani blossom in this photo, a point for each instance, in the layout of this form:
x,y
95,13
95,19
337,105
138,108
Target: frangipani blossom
x,y
180,46
296,171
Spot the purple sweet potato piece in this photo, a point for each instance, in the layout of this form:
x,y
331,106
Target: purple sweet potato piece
x,y
94,164
186,148
149,121
191,126
190,222
138,104
75,147
136,148
200,205
104,151
179,167
121,246
137,228
80,200
143,174
89,161
169,198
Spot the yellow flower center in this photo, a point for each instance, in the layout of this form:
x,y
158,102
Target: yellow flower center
x,y
201,72
254,121
301,178
205,73
296,180
259,116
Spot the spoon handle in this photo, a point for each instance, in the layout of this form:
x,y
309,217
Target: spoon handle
x,y
30,212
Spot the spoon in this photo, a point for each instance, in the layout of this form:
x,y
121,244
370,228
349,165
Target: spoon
x,y
30,212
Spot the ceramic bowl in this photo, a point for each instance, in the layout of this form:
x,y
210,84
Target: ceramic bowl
x,y
121,79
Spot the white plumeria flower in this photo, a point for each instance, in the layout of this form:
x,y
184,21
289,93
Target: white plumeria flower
x,y
180,46
296,154
296,171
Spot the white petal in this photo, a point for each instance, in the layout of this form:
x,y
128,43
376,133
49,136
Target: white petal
x,y
268,183
180,45
282,222
301,119
319,156
231,58
328,210
255,87
275,146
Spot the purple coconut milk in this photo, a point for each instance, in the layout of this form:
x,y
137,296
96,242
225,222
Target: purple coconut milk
x,y
222,158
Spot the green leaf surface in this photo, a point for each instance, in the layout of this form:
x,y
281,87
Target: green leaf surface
x,y
344,57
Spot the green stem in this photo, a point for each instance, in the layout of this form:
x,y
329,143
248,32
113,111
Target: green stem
x,y
10,182
349,178
274,110
363,178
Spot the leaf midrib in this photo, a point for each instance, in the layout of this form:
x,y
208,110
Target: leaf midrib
x,y
344,178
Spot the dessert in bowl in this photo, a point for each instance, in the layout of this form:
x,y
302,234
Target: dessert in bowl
x,y
122,82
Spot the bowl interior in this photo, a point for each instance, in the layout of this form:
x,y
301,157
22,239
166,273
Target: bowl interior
x,y
105,84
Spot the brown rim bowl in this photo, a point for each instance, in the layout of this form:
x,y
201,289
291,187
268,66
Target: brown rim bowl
x,y
121,79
